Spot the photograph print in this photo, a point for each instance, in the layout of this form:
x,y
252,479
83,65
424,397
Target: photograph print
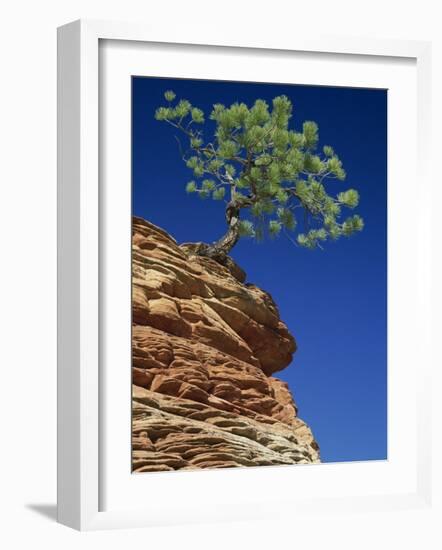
x,y
259,274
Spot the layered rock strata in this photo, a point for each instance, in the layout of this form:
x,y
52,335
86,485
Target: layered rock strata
x,y
205,347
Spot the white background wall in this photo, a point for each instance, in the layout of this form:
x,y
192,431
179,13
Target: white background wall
x,y
28,264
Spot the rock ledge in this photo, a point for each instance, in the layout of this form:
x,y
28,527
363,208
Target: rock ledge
x,y
205,346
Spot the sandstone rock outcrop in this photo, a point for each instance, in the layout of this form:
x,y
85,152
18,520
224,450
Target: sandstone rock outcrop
x,y
205,346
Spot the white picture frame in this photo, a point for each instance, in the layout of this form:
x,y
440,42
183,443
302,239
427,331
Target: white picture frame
x,y
80,438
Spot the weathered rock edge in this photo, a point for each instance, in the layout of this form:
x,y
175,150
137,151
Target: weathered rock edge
x,y
204,348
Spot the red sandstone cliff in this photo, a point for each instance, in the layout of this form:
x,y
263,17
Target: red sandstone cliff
x,y
205,347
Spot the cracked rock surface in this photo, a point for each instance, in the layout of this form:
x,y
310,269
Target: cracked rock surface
x,y
205,347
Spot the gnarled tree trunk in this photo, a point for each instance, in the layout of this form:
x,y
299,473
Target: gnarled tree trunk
x,y
225,244
219,250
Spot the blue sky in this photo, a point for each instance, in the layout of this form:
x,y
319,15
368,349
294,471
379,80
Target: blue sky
x,y
333,300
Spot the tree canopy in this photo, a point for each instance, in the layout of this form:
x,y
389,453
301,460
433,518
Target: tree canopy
x,y
272,177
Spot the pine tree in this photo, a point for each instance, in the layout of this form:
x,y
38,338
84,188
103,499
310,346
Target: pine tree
x,y
271,177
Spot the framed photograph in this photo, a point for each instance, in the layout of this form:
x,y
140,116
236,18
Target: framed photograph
x,y
243,299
